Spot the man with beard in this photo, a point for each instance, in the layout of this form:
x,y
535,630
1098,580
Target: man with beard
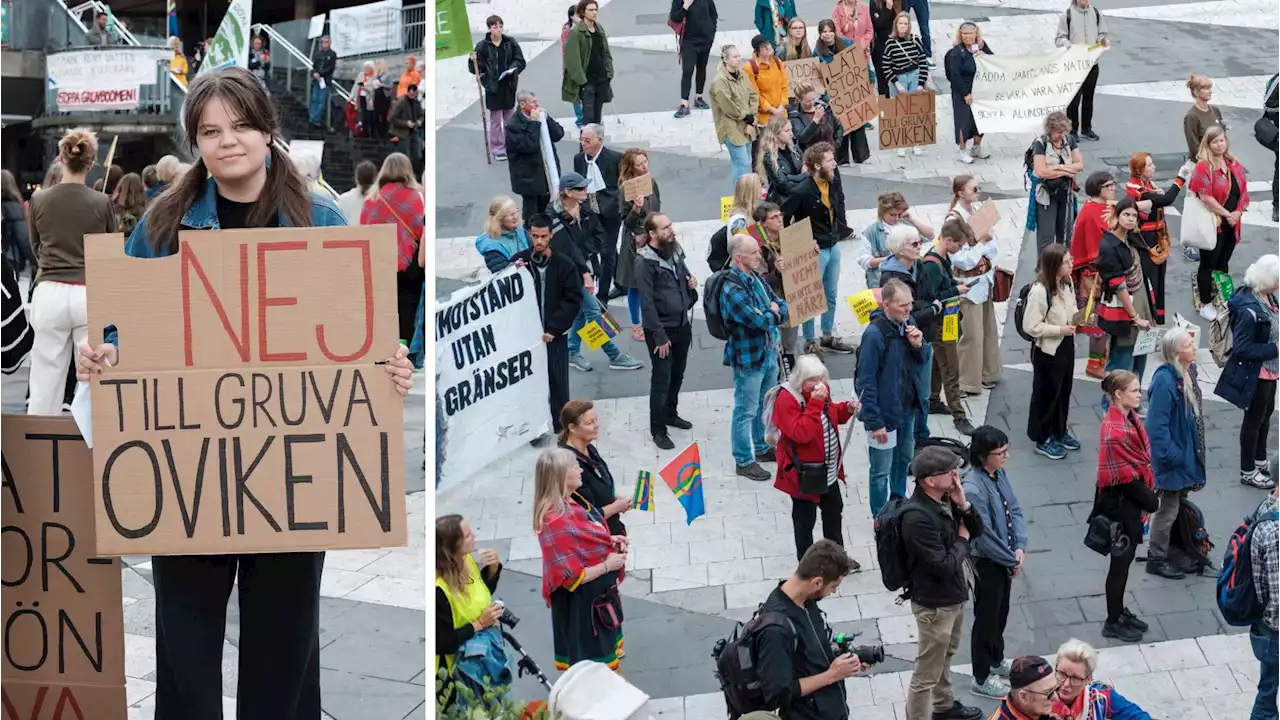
x,y
600,166
667,294
559,288
767,230
820,198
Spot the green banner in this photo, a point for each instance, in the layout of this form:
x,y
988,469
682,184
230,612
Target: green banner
x,y
453,33
230,44
4,24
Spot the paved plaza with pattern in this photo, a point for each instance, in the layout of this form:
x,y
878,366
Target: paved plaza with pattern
x,y
687,584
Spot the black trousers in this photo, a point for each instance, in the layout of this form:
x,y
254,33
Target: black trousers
x,y
1257,425
1155,275
558,376
882,79
534,205
693,59
1117,579
1215,259
1081,108
667,376
853,147
608,257
1050,391
279,616
409,289
804,514
593,97
990,615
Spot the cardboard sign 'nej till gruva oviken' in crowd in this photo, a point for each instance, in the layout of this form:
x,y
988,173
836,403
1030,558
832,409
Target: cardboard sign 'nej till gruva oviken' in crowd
x,y
248,412
908,120
63,617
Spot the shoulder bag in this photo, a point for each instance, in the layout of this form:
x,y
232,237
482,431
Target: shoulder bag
x,y
1199,226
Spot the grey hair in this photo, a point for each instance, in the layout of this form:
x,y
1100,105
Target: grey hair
x,y
596,129
890,290
900,236
807,367
1078,651
1170,348
1264,274
741,243
368,65
524,95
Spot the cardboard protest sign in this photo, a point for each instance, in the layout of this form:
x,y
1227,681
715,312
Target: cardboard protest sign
x,y
1015,93
863,303
492,386
908,120
801,276
1147,341
805,71
984,219
853,95
637,187
64,623
248,413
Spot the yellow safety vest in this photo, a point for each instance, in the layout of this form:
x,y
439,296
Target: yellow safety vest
x,y
467,605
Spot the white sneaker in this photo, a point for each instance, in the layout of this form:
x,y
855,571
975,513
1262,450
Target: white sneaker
x,y
1208,312
980,152
902,152
966,158
917,151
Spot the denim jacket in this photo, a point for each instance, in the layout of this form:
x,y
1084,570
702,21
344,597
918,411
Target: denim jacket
x,y
203,215
984,494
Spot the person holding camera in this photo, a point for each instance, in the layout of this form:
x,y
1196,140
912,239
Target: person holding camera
x,y
936,532
1056,160
464,593
997,557
801,674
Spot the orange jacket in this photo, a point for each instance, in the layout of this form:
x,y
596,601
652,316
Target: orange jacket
x,y
409,77
770,82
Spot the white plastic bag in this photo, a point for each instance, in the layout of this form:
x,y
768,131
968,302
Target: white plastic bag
x,y
591,691
1199,227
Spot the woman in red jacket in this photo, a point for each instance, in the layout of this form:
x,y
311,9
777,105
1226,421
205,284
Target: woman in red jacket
x,y
1219,180
1151,227
1091,222
809,450
398,201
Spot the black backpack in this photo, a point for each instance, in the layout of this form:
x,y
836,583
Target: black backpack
x,y
737,665
1020,310
1189,543
946,63
718,254
891,553
716,324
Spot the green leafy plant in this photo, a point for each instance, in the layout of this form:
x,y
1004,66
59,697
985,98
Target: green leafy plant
x,y
492,704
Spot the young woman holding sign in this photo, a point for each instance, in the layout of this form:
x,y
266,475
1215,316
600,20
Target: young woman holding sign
x,y
241,181
905,64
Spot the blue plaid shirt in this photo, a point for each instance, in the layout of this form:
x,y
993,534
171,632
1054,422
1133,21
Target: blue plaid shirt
x,y
1265,556
753,328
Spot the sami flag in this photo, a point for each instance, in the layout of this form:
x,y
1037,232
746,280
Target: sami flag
x,y
643,500
173,18
609,325
684,476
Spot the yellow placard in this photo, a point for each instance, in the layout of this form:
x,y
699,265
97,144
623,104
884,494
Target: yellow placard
x,y
593,335
725,204
862,303
951,320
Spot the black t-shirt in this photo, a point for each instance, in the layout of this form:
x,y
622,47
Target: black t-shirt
x,y
235,215
595,62
1233,196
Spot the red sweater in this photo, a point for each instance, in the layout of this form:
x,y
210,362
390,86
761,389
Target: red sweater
x,y
803,427
1090,225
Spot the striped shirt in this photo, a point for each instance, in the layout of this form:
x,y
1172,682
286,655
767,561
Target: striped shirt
x,y
903,56
15,334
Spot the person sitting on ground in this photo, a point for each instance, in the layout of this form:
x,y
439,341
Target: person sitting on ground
x,y
464,594
1076,662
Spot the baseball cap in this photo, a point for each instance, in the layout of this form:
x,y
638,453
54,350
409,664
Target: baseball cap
x,y
1028,670
934,460
572,181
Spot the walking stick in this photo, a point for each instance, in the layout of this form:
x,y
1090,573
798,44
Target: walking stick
x,y
484,121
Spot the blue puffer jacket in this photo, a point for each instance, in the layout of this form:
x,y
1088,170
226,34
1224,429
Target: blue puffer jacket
x,y
887,369
1172,430
1250,346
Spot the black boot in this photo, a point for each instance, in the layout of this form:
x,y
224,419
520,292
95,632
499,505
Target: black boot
x,y
1164,569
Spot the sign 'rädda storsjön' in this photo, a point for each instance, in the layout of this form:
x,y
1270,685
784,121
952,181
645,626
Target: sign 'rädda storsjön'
x,y
247,412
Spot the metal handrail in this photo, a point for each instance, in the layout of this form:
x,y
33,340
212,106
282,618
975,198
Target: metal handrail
x,y
77,12
278,40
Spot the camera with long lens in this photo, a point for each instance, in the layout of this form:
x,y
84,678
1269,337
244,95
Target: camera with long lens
x,y
507,617
867,654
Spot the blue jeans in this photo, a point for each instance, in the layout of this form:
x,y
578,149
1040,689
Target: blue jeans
x,y
633,305
829,266
739,161
1122,358
1265,648
889,467
749,388
922,20
590,311
924,382
577,114
319,101
910,81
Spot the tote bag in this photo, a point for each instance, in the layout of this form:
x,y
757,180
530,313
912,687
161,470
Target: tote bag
x,y
1199,226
